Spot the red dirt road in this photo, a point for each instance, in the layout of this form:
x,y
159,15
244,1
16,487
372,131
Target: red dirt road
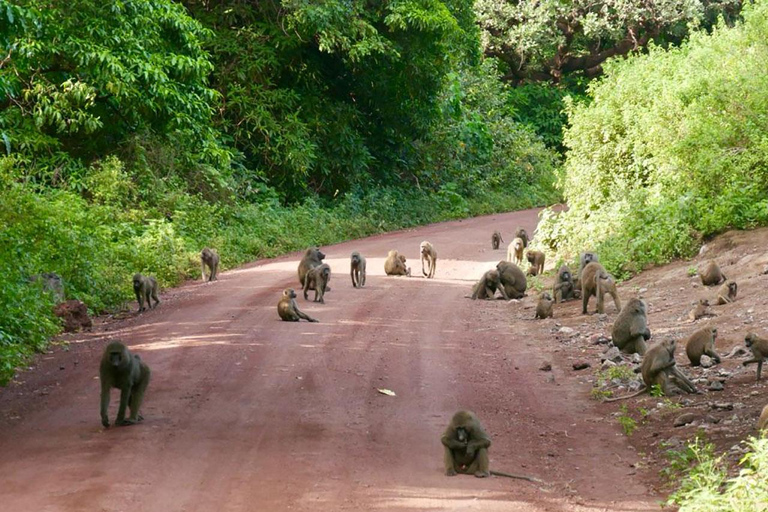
x,y
248,413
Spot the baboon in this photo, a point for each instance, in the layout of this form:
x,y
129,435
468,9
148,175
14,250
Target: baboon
x,y
702,342
762,423
700,310
312,258
208,257
496,240
759,348
727,292
357,270
596,281
512,279
466,448
127,372
563,288
428,254
544,306
711,275
288,309
52,283
394,265
536,259
515,251
145,288
317,279
486,287
585,259
630,330
522,234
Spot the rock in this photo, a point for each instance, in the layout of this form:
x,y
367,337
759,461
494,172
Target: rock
x,y
599,339
684,419
546,367
642,290
603,317
716,385
550,377
706,361
581,365
607,364
724,373
637,358
566,330
612,354
52,283
635,385
74,314
724,406
765,269
711,419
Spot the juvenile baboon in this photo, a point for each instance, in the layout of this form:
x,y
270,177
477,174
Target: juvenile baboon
x,y
209,258
522,234
394,265
595,281
288,309
466,446
702,342
544,306
317,279
563,288
512,279
357,270
710,274
536,259
762,423
145,288
127,372
515,251
428,254
312,258
496,240
585,259
486,287
52,283
759,348
727,292
700,310
630,330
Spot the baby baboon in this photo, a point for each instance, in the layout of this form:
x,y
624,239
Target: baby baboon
x,y
515,251
357,270
127,372
700,310
536,259
702,342
496,240
544,306
211,259
394,265
596,281
52,283
288,309
711,274
486,287
428,254
759,348
317,279
512,279
585,259
466,448
522,235
727,292
762,423
563,288
630,330
145,288
312,258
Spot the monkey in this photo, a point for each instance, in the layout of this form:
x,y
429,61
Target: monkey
x,y
700,310
759,348
496,240
585,259
512,279
466,446
727,292
515,251
536,259
522,234
630,330
711,274
357,270
313,257
596,281
762,423
288,309
317,279
127,372
544,307
394,265
145,288
211,259
428,254
563,288
52,283
702,342
486,287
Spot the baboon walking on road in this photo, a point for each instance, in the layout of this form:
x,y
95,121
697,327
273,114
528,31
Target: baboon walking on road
x,y
127,372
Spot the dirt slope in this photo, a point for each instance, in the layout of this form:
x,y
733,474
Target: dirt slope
x,y
245,412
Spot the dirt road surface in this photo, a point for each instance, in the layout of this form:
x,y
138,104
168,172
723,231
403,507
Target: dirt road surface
x,y
248,413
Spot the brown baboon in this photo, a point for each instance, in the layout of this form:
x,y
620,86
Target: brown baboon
x,y
357,270
317,279
759,348
512,279
428,254
596,281
544,306
127,372
563,288
211,259
702,342
486,287
145,288
394,265
585,259
288,309
727,292
522,234
466,448
515,251
52,283
700,310
496,240
711,274
536,259
630,330
312,258
762,423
